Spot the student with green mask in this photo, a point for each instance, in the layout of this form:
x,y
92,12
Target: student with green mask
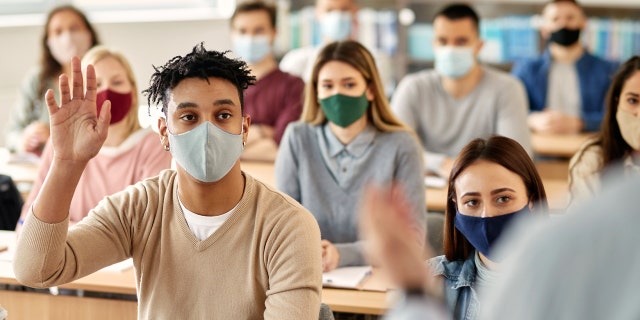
x,y
346,138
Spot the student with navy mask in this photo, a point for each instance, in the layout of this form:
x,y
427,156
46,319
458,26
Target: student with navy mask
x,y
347,137
276,98
492,183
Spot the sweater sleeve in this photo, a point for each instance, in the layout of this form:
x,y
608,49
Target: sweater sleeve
x,y
24,111
511,119
53,254
286,165
295,269
584,174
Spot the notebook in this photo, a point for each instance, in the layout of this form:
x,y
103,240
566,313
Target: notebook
x,y
346,277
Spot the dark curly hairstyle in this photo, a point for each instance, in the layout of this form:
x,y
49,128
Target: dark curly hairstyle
x,y
202,64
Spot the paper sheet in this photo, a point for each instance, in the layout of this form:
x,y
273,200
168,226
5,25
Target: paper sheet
x,y
347,277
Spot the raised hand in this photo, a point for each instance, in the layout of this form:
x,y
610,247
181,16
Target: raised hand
x,y
77,133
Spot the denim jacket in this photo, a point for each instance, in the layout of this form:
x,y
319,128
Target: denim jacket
x,y
459,277
594,77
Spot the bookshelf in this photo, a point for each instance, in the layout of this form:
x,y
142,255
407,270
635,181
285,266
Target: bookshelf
x,y
607,19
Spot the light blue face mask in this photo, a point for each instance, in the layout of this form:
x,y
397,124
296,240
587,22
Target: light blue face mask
x,y
454,62
251,49
336,25
206,152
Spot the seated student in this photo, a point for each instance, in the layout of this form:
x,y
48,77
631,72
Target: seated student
x,y
618,140
492,183
338,20
347,137
560,268
276,98
566,85
206,239
128,155
460,99
67,32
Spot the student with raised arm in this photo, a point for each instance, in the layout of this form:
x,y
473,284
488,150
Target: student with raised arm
x,y
129,152
206,239
347,137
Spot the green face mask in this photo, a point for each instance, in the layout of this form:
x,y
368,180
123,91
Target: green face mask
x,y
344,110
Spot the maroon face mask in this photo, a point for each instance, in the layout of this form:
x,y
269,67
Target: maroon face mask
x,y
120,104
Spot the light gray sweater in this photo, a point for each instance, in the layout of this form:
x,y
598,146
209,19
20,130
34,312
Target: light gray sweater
x,y
497,105
303,171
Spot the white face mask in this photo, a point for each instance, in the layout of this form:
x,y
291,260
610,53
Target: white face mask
x,y
251,49
336,25
454,62
629,128
206,152
68,44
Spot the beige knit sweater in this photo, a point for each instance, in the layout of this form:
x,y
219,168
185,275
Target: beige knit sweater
x,y
263,262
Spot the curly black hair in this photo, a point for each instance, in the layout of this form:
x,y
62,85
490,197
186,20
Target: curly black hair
x,y
202,64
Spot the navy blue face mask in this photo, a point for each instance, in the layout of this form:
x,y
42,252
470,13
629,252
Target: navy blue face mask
x,y
483,233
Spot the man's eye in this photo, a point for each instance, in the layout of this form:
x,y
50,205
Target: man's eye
x,y
224,116
188,117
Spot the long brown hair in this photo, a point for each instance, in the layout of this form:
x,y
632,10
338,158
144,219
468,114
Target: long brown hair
x,y
500,150
614,147
356,55
50,68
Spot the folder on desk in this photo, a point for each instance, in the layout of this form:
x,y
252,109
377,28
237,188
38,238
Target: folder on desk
x,y
346,277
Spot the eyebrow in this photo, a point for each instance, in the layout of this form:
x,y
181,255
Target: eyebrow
x,y
216,103
496,191
501,190
633,94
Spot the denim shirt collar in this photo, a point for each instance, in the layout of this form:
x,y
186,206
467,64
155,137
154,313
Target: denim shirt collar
x,y
355,148
461,273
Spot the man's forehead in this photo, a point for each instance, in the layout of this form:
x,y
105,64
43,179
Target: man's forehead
x,y
561,8
198,90
329,5
458,27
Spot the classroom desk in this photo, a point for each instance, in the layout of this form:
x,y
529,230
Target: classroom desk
x,y
555,145
33,305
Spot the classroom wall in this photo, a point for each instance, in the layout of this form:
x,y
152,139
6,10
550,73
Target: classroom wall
x,y
143,43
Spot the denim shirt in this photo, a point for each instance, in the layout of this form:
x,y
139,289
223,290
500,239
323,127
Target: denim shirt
x,y
459,278
594,76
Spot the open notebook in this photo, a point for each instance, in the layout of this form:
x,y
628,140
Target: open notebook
x,y
346,277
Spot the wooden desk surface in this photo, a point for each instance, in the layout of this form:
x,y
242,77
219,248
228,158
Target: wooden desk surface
x,y
564,146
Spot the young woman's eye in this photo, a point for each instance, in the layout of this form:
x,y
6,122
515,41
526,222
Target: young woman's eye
x,y
471,203
632,101
503,199
350,85
326,86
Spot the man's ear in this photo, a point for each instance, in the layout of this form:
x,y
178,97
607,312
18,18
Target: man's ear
x,y
246,123
162,131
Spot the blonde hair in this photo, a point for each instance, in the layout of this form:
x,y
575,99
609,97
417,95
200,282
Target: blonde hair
x,y
98,53
356,55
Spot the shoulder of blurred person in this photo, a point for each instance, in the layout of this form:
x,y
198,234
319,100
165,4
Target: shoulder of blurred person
x,y
587,264
584,172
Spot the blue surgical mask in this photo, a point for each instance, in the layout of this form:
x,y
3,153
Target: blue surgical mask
x,y
454,62
483,233
251,49
336,25
206,152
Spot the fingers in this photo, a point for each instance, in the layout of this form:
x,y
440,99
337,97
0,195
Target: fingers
x,y
104,118
65,91
52,106
91,84
76,79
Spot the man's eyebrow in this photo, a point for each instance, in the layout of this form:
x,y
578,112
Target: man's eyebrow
x,y
223,102
183,105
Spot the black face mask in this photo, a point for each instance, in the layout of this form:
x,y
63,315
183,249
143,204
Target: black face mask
x,y
565,37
